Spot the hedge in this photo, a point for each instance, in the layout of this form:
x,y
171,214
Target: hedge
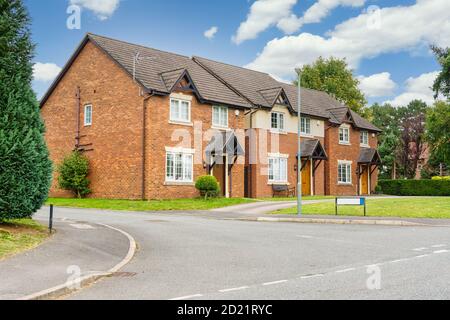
x,y
415,187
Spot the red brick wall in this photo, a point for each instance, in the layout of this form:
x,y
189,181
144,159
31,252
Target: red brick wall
x,y
337,152
267,142
116,133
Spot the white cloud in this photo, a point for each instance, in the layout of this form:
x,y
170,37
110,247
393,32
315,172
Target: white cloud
x,y
400,28
45,72
267,13
377,85
417,88
104,9
211,33
263,14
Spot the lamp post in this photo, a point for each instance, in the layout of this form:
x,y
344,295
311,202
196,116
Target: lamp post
x,y
299,164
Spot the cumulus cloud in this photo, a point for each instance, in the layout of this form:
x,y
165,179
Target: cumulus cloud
x,y
399,28
417,88
211,33
267,13
377,85
45,72
103,9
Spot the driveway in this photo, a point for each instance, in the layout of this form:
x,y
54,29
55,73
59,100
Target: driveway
x,y
199,257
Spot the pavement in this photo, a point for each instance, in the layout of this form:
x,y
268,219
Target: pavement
x,y
201,255
77,249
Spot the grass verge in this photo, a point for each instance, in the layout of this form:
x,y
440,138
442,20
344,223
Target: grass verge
x,y
436,207
20,235
151,205
305,198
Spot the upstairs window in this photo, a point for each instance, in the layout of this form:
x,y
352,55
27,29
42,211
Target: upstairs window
x,y
364,138
277,121
180,110
88,115
220,117
344,135
305,126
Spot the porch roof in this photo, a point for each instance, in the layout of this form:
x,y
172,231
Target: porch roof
x,y
224,143
369,156
313,149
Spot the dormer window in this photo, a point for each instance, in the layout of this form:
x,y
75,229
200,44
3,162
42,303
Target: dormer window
x,y
277,121
344,134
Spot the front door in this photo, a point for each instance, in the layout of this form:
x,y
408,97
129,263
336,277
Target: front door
x,y
306,179
219,173
365,180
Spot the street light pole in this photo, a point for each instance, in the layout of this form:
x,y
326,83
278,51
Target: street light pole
x,y
299,164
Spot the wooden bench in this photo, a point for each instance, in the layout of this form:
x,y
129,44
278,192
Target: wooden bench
x,y
282,189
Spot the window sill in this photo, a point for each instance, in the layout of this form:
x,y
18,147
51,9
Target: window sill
x,y
278,183
345,143
221,128
274,131
181,123
173,183
362,145
343,184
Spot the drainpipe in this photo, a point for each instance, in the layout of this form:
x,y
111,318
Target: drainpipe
x,y
144,140
250,166
78,99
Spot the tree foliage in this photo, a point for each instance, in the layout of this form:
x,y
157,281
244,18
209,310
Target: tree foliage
x,y
438,135
334,77
73,172
442,82
25,168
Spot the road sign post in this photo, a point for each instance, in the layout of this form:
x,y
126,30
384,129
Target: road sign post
x,y
355,201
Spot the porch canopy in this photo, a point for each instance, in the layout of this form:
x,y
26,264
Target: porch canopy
x,y
223,144
369,156
312,149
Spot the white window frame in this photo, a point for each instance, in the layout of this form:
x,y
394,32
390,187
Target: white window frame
x,y
222,120
342,130
179,119
281,163
348,172
187,166
88,120
364,138
305,124
281,121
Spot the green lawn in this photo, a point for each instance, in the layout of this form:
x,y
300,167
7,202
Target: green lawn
x,y
295,199
20,235
438,207
152,205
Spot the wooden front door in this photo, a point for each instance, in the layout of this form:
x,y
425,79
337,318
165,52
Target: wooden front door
x,y
365,180
306,179
219,173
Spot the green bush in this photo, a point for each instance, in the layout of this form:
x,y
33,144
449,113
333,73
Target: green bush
x,y
441,178
415,187
208,186
73,172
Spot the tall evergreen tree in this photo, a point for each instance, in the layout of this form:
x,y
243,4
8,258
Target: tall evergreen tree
x,y
25,168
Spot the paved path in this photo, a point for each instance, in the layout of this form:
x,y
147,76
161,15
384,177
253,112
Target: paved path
x,y
199,257
76,247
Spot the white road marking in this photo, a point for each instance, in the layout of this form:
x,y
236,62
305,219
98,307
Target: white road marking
x,y
420,249
274,282
82,226
440,251
439,246
312,276
346,270
398,260
422,256
188,297
233,289
305,237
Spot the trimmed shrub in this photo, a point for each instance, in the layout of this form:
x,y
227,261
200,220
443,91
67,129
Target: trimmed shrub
x,y
415,187
73,173
208,186
441,178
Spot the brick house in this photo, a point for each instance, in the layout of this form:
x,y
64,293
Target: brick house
x,y
152,122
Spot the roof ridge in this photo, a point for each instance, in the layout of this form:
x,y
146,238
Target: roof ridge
x,y
135,44
232,65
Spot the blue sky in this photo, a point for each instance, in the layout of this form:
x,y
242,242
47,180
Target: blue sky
x,y
385,42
